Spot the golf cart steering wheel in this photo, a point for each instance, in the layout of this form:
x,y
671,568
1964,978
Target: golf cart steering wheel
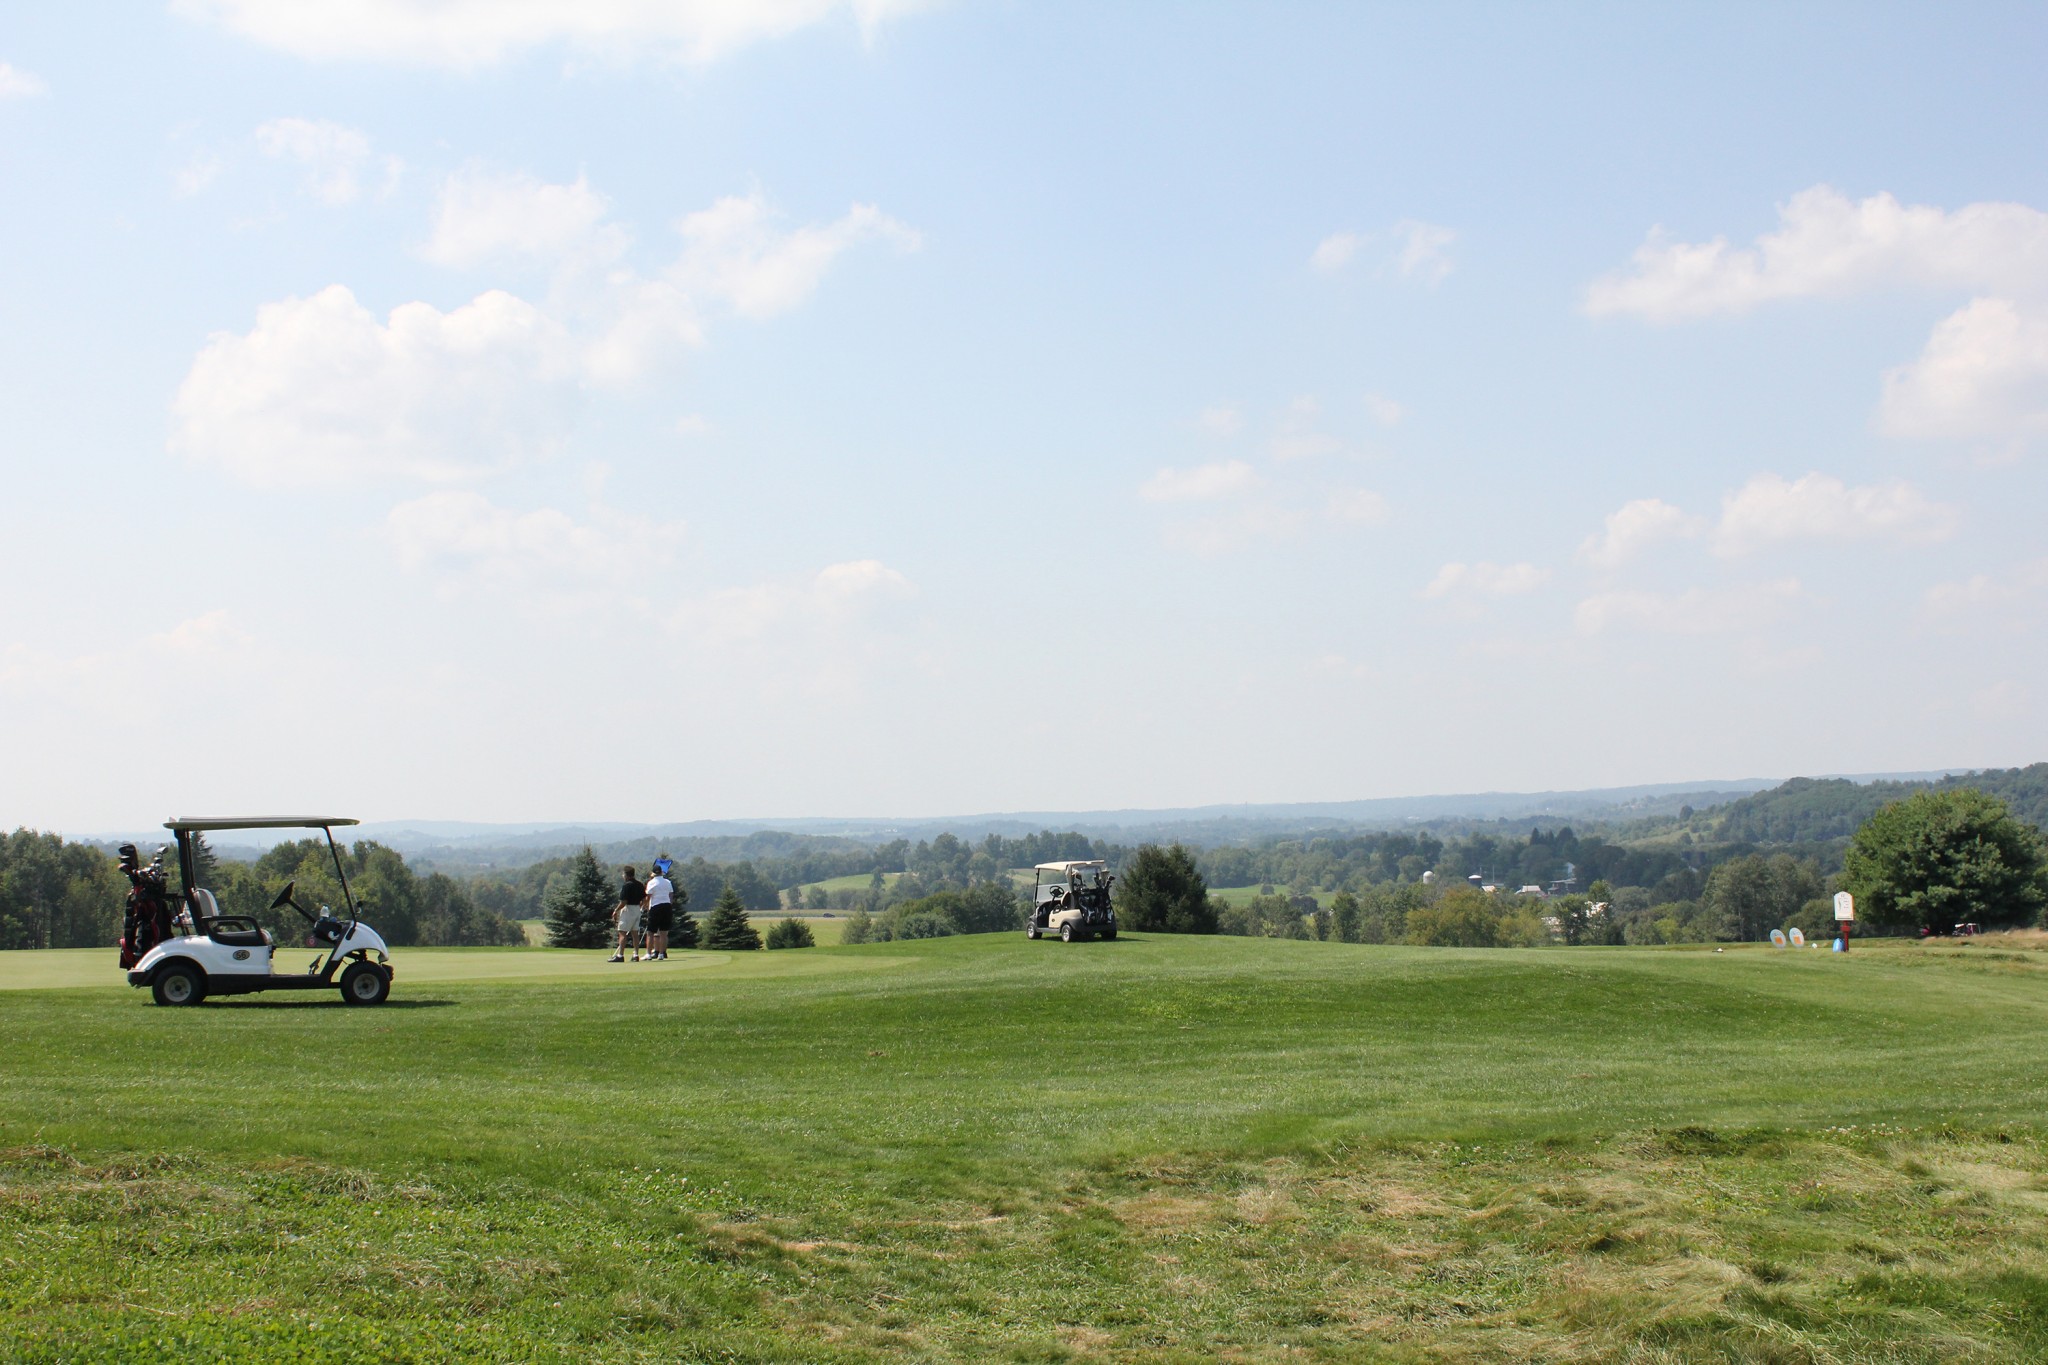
x,y
284,897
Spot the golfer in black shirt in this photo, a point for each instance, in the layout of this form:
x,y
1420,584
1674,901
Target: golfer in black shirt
x,y
632,892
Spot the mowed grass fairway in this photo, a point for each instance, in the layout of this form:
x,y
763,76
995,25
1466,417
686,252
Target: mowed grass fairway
x,y
982,1148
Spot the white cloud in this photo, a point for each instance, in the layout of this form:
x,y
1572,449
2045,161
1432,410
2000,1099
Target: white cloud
x,y
1298,436
1698,611
1335,251
733,252
470,35
331,154
546,556
1231,531
1356,506
1384,410
319,391
195,175
1220,421
1827,244
1202,483
1983,375
16,84
834,598
2016,590
1420,251
1632,528
484,216
692,425
1770,509
1424,251
1485,579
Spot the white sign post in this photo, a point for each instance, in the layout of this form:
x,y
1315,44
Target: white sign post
x,y
1845,916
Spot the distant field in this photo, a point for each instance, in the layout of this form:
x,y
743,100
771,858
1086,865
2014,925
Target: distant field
x,y
982,1148
857,882
1238,895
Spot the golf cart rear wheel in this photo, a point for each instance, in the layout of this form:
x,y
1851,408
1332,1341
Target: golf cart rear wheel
x,y
363,983
1066,933
179,984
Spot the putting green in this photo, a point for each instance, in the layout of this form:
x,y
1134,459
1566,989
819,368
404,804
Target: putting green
x,y
63,968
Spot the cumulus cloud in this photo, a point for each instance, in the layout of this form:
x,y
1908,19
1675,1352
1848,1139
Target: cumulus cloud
x,y
1983,375
1356,507
1485,579
331,155
835,597
1220,421
545,555
1202,483
1299,436
1827,244
16,84
1335,251
734,252
319,391
1771,509
1384,410
1422,251
1698,611
483,216
2021,586
1632,528
1414,250
468,36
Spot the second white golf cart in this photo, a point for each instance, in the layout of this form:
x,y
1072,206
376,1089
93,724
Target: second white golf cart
x,y
1072,900
210,953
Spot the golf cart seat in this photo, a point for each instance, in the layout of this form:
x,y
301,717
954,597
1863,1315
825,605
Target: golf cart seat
x,y
236,931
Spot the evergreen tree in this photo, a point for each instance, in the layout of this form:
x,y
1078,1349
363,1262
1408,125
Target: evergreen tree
x,y
205,862
728,930
580,909
685,934
790,933
1161,890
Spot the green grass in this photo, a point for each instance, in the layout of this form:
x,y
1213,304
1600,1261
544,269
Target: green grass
x,y
982,1148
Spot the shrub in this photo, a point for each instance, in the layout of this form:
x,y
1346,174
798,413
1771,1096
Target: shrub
x,y
860,928
790,933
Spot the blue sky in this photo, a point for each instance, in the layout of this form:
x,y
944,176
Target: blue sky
x,y
635,411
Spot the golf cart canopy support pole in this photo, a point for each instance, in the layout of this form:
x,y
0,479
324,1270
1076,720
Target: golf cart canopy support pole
x,y
191,825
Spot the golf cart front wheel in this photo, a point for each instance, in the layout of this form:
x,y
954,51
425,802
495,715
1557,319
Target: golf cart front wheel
x,y
178,985
1031,933
364,984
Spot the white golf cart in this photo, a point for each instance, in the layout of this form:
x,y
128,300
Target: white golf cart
x,y
214,954
1072,900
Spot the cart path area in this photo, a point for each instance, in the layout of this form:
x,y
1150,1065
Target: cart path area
x,y
72,968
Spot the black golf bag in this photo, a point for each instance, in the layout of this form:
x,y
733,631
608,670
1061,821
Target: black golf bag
x,y
148,920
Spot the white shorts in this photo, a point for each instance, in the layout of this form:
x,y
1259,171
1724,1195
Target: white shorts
x,y
629,919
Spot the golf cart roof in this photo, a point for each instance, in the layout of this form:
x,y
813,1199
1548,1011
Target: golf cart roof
x,y
197,823
1069,867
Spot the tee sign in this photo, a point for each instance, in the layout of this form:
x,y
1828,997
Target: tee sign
x,y
1845,906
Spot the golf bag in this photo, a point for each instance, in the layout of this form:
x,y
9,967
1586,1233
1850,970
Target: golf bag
x,y
148,920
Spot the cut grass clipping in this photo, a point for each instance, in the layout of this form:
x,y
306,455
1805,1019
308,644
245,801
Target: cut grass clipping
x,y
982,1148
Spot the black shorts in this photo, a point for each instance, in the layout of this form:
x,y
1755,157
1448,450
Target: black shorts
x,y
661,918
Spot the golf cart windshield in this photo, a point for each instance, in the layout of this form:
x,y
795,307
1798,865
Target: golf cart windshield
x,y
186,828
